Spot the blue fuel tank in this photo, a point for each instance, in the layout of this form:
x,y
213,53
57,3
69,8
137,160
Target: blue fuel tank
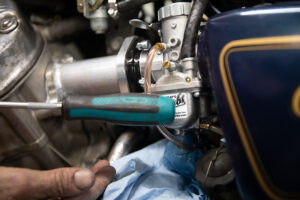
x,y
252,57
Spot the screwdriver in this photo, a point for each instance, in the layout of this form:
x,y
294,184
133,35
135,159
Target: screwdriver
x,y
125,109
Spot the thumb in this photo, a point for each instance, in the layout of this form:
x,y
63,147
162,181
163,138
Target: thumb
x,y
65,182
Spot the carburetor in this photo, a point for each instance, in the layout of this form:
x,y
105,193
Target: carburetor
x,y
179,78
171,76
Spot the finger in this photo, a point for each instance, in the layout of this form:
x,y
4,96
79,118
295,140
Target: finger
x,y
15,184
103,178
100,164
64,182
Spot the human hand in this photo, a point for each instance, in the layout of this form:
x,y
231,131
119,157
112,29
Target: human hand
x,y
63,183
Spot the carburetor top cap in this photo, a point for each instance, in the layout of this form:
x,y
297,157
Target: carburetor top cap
x,y
174,9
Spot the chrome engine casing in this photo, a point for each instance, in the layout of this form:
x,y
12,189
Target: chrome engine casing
x,y
39,139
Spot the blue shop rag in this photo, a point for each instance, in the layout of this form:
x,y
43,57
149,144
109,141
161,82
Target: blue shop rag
x,y
160,171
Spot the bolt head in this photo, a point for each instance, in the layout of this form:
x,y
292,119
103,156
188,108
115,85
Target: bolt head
x,y
188,79
110,11
196,94
173,25
8,23
142,81
166,65
113,13
143,45
174,55
174,42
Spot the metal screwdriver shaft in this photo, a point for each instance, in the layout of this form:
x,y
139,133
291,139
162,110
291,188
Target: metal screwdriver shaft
x,y
31,105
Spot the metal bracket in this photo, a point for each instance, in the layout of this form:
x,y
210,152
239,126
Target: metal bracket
x,y
129,43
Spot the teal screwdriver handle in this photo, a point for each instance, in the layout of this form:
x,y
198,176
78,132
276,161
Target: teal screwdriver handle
x,y
126,109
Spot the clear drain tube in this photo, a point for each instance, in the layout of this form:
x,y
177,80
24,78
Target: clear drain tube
x,y
148,65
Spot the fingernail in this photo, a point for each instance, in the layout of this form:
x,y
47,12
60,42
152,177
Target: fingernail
x,y
84,178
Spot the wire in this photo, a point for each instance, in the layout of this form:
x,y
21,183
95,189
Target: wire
x,y
169,136
96,5
212,128
215,8
92,8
